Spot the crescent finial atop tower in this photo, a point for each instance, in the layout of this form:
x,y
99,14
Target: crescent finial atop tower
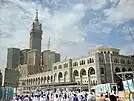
x,y
36,18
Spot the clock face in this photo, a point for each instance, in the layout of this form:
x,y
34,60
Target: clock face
x,y
37,26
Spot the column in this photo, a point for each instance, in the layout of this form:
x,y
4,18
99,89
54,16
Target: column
x,y
70,77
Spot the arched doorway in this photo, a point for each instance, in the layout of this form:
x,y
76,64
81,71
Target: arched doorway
x,y
91,71
60,76
65,76
75,75
82,75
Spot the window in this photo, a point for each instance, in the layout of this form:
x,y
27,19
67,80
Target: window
x,y
82,62
65,65
75,64
88,61
60,66
116,60
100,60
92,60
122,61
55,67
102,70
128,62
102,82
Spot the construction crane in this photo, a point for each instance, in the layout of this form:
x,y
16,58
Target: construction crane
x,y
65,58
131,35
48,47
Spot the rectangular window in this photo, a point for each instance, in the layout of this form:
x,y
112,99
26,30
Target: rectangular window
x,y
60,66
55,67
65,65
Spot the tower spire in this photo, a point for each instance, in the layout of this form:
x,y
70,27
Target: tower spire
x,y
36,18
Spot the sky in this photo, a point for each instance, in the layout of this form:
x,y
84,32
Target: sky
x,y
75,26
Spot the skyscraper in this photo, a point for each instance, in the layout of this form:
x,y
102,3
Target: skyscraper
x,y
13,56
36,34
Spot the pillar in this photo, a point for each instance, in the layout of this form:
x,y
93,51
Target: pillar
x,y
70,77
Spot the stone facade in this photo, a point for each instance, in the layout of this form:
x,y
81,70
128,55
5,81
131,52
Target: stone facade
x,y
100,66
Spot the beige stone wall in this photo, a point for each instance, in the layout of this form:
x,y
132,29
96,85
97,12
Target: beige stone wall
x,y
82,69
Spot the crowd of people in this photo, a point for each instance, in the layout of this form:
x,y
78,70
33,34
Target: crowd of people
x,y
67,96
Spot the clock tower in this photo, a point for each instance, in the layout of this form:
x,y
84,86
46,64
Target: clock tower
x,y
36,34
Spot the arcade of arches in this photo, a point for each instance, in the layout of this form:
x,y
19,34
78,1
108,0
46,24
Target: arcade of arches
x,y
78,76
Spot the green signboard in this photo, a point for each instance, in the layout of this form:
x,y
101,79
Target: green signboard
x,y
6,93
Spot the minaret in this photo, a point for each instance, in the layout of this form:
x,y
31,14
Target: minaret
x,y
36,34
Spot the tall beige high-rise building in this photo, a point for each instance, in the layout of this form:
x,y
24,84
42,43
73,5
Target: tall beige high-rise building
x,y
36,34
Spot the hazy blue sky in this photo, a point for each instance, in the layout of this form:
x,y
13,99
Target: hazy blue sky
x,y
75,26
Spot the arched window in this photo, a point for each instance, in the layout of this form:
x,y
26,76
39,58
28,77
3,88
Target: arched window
x,y
123,69
90,60
117,69
75,73
129,69
83,72
65,76
91,71
60,76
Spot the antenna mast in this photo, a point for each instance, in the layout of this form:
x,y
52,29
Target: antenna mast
x,y
65,58
131,35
